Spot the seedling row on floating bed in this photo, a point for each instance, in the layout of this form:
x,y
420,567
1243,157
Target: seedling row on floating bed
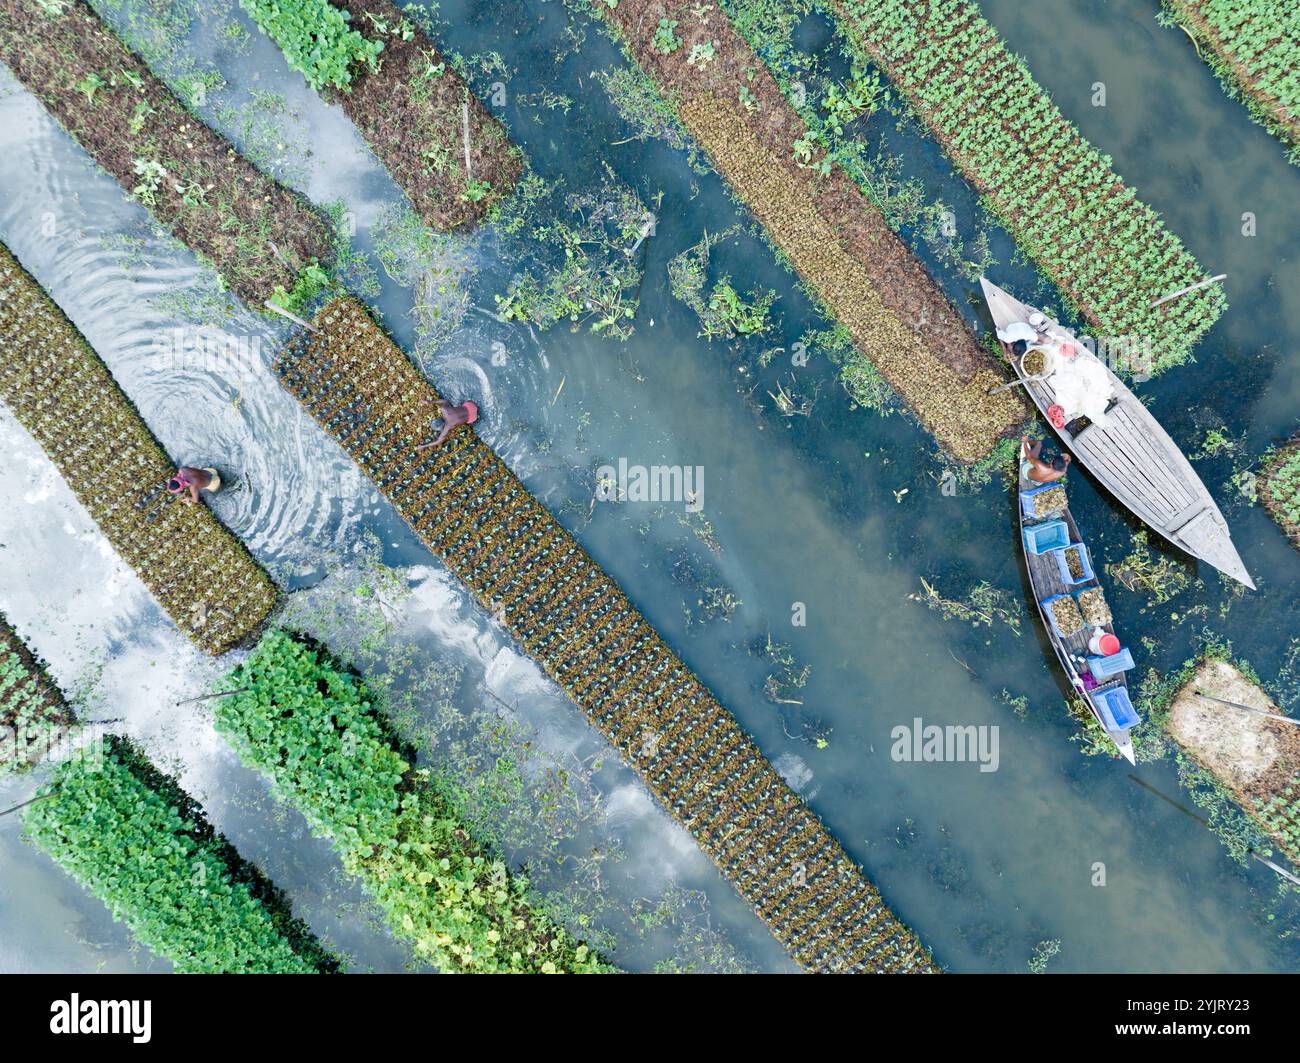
x,y
33,713
132,837
833,235
1278,487
474,514
210,197
1108,253
1254,47
313,730
67,399
414,110
1255,760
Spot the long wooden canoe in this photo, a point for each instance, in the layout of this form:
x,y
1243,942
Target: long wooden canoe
x,y
1134,458
1046,583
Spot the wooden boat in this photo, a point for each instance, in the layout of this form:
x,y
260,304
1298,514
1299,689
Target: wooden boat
x,y
1046,583
1133,457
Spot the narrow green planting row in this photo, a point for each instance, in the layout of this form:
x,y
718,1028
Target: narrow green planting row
x,y
1108,253
264,240
472,512
1254,47
831,233
442,147
314,731
33,713
65,396
132,837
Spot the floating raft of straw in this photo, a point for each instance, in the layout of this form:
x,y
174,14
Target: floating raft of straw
x,y
67,399
479,519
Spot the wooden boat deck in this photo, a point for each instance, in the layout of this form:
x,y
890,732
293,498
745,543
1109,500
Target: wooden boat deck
x,y
1135,459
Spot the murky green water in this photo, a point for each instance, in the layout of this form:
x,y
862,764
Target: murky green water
x,y
804,509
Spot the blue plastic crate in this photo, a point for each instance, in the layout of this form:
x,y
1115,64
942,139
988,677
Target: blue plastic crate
x,y
1042,538
1063,566
1046,603
1027,497
1116,709
1104,667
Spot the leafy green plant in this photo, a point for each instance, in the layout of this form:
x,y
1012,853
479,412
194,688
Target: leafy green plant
x,y
666,40
140,844
151,174
314,731
312,281
316,39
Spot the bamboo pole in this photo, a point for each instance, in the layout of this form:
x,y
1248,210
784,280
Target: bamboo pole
x,y
1247,708
1189,288
292,317
464,124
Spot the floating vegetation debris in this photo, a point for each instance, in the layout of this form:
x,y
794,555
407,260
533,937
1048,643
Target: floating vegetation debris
x,y
723,313
982,606
260,236
34,716
134,839
60,391
473,513
592,263
1158,576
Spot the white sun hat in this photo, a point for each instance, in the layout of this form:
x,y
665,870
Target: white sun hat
x,y
1018,330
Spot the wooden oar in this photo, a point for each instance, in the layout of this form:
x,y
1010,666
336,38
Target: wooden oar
x,y
1016,383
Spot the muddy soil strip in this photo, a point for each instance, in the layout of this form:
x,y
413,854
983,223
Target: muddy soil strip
x,y
133,838
1256,761
1242,50
34,716
211,198
65,396
411,113
833,235
1278,488
484,527
1107,252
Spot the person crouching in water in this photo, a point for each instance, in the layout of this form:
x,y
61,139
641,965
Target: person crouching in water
x,y
1033,467
188,482
452,418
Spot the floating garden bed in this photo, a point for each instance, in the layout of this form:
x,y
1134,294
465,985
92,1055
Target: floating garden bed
x,y
832,234
1278,487
33,713
67,399
1255,760
263,239
439,143
313,729
1254,47
472,512
132,837
1107,252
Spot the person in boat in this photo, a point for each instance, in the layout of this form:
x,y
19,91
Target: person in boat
x,y
188,482
1019,336
1034,467
452,418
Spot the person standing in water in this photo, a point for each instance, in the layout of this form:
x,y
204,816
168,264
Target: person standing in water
x,y
188,482
452,417
1034,468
